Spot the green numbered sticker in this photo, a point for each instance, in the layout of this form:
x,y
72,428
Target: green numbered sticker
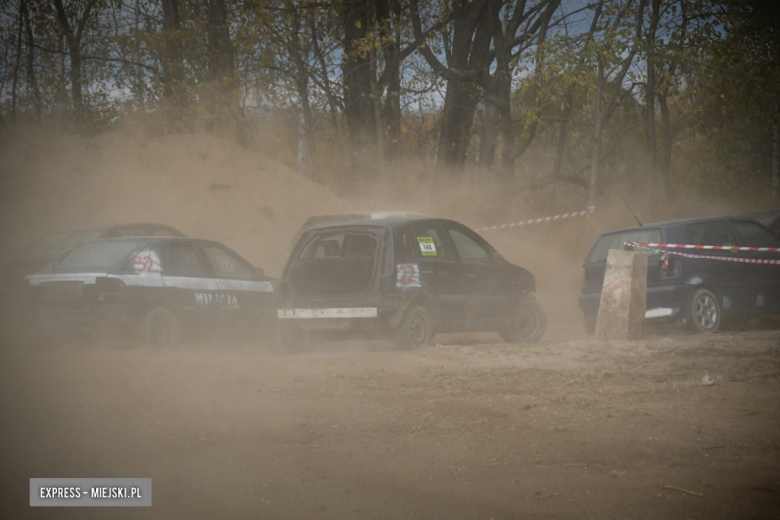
x,y
427,246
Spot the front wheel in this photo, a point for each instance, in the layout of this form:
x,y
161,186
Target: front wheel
x,y
415,330
526,324
159,329
704,311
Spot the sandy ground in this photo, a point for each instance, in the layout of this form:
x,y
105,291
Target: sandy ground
x,y
468,428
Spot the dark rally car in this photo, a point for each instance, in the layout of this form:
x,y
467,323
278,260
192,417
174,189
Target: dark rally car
x,y
699,292
404,279
152,287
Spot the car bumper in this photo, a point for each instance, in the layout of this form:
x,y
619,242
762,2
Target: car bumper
x,y
663,301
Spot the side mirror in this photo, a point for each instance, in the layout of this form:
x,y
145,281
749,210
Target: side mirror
x,y
497,257
259,274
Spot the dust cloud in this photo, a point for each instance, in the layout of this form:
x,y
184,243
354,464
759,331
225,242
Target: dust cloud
x,y
469,428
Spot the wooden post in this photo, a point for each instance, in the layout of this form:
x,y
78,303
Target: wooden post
x,y
623,297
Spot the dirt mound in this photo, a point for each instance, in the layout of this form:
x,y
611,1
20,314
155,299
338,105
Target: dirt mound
x,y
205,186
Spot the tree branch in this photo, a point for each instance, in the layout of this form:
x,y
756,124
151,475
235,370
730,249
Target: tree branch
x,y
98,58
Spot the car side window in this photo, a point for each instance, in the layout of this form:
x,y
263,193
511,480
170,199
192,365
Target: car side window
x,y
184,260
406,249
710,234
756,235
428,243
468,250
226,264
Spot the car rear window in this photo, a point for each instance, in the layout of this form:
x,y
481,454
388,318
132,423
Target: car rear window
x,y
101,256
54,246
756,235
143,231
617,241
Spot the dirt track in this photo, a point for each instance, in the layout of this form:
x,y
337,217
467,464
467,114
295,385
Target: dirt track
x,y
566,430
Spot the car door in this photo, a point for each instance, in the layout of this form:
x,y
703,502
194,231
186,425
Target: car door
x,y
438,269
187,276
241,296
731,278
762,280
478,274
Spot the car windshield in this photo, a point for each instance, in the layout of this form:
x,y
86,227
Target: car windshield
x,y
618,240
101,256
760,215
56,245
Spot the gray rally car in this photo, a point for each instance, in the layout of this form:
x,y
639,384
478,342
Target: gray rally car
x,y
151,288
405,279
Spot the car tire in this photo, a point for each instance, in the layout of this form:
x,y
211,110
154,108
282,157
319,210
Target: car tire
x,y
159,329
43,331
294,340
527,324
415,330
590,327
704,311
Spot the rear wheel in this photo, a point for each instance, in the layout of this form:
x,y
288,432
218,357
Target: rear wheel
x,y
590,327
415,330
293,339
159,329
44,331
704,311
526,324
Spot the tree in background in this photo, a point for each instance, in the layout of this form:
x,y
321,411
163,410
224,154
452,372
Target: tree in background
x,y
481,87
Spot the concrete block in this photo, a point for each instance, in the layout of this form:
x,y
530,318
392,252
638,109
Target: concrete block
x,y
623,296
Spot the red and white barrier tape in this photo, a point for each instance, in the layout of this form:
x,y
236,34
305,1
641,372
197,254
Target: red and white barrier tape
x,y
705,257
582,213
716,248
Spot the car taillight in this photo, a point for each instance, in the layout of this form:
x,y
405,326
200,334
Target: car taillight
x,y
586,280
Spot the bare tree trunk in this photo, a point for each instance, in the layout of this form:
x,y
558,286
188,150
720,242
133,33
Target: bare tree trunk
x,y
513,148
652,147
358,107
139,75
332,101
391,111
488,137
604,110
563,129
226,113
595,162
666,154
173,72
73,40
776,150
16,67
302,84
32,83
376,98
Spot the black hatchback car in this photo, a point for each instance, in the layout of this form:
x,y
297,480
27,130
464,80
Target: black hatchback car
x,y
150,286
404,279
702,293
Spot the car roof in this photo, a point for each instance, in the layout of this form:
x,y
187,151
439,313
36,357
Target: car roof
x,y
112,226
151,239
377,223
668,223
